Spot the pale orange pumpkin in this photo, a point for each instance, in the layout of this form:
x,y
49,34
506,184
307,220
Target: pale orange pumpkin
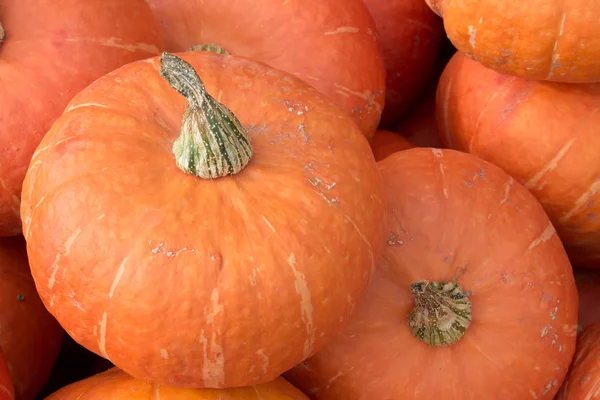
x,y
473,298
385,143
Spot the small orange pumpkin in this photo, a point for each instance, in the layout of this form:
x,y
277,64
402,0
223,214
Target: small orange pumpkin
x,y
385,143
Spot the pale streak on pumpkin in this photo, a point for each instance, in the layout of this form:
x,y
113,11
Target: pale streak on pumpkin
x,y
213,371
55,266
445,104
550,166
102,337
261,354
555,55
306,306
4,389
156,391
114,42
70,240
342,29
84,105
164,354
437,153
581,201
544,236
472,36
117,277
268,223
367,95
507,187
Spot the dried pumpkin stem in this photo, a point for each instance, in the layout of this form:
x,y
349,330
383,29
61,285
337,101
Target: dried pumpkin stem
x,y
212,47
441,314
212,143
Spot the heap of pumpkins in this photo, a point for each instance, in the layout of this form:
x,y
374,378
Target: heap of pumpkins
x,y
299,200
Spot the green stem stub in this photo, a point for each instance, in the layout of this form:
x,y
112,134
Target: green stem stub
x,y
441,314
212,47
213,143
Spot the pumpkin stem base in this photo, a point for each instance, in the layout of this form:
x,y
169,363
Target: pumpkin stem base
x,y
212,47
441,314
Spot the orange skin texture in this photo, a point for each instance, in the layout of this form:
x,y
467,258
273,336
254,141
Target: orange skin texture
x,y
331,45
544,134
7,391
419,126
454,217
411,37
30,337
250,274
584,375
385,143
115,384
45,60
540,40
588,288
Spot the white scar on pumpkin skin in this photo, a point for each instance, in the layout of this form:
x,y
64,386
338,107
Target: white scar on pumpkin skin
x,y
342,29
306,306
55,266
268,223
115,42
582,201
117,277
164,354
213,369
102,337
555,55
544,236
265,359
550,166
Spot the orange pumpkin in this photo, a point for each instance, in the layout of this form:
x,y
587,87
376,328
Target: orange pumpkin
x,y
588,288
538,40
7,391
332,45
29,337
411,38
216,251
115,384
385,143
473,299
419,125
582,381
49,51
545,135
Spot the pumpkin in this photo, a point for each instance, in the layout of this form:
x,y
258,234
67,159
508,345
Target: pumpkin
x,y
538,40
385,143
544,134
582,381
588,288
419,125
411,38
30,337
211,246
117,385
7,392
51,50
332,45
473,297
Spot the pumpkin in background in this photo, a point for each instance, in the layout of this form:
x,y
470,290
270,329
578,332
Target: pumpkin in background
x,y
588,288
473,299
332,45
7,391
419,125
199,278
546,135
49,51
385,143
582,381
115,384
411,37
30,337
540,40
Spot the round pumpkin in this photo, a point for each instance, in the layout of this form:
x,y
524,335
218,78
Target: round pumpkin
x,y
49,51
30,337
473,297
540,40
411,37
419,125
213,245
115,384
546,135
385,143
582,381
588,288
7,391
332,45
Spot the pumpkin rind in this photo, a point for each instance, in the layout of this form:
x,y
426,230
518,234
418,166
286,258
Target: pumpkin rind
x,y
196,282
544,134
331,45
7,391
385,143
455,218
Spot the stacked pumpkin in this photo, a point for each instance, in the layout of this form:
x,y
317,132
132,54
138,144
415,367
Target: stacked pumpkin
x,y
222,205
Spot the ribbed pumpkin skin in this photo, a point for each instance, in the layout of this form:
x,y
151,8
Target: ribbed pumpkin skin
x,y
544,134
584,375
7,391
385,143
332,45
192,282
411,37
454,217
115,384
30,337
539,39
51,51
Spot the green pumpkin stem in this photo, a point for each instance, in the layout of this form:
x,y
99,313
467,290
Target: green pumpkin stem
x,y
441,314
213,143
212,47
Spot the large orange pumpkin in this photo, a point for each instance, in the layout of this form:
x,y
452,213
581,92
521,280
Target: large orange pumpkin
x,y
30,337
331,44
385,143
582,381
49,51
473,299
226,274
411,38
549,40
115,384
7,391
544,134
